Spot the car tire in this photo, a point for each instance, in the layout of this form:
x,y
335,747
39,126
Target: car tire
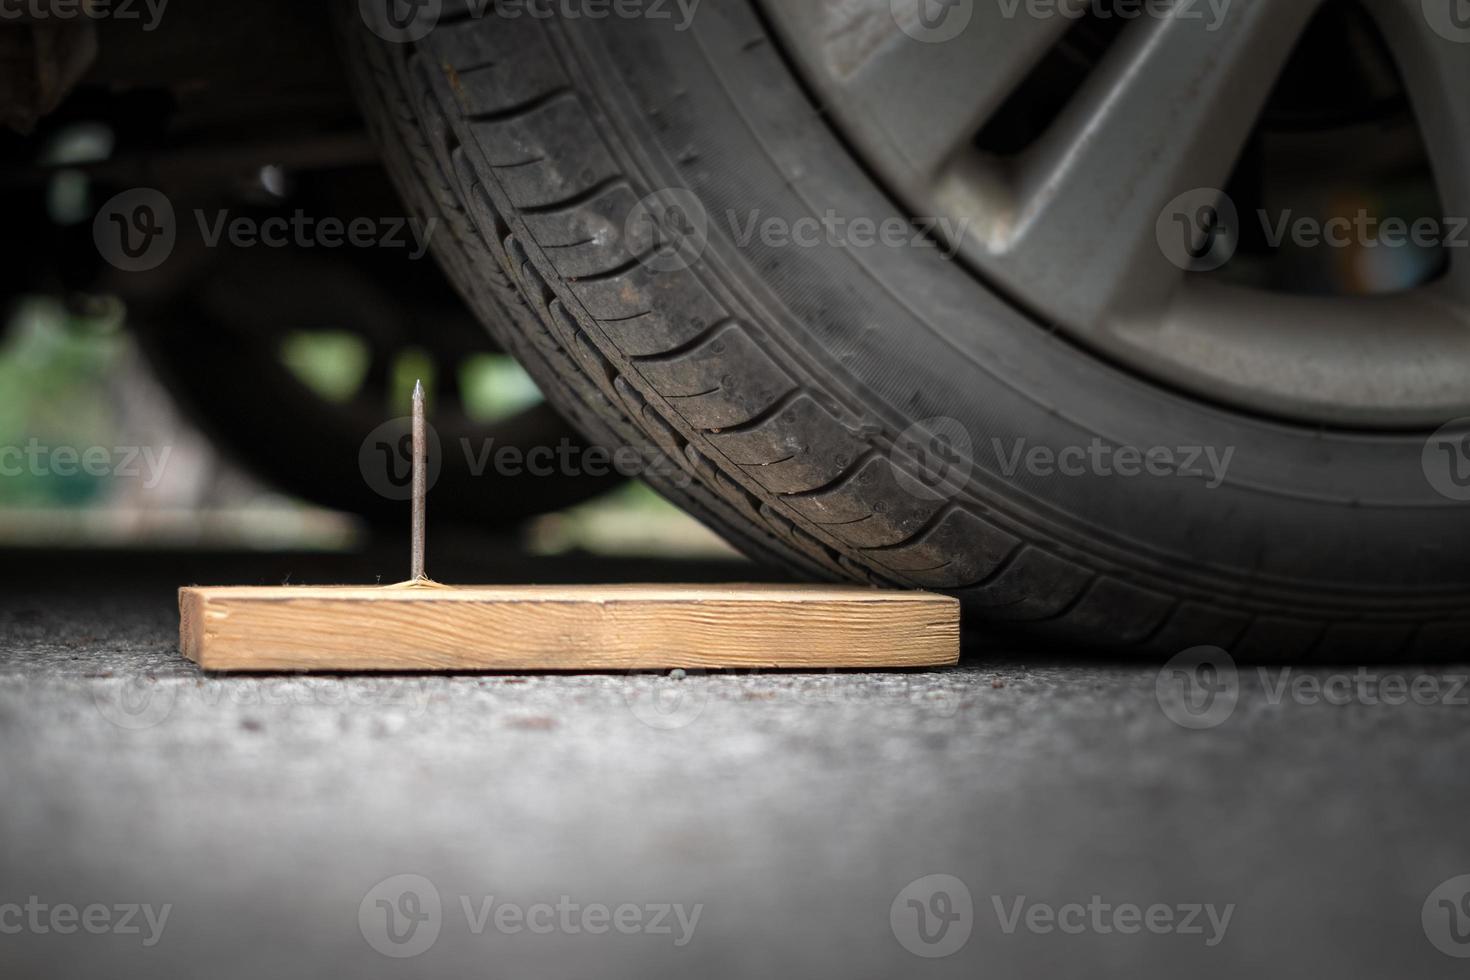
x,y
875,414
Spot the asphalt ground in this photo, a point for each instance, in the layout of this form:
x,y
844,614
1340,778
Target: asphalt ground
x,y
1035,812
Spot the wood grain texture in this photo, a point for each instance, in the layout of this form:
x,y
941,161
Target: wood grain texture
x,y
577,627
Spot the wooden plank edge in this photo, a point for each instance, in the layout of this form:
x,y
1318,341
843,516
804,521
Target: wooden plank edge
x,y
564,628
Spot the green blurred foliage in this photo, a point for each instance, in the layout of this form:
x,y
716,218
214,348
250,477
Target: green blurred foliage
x,y
54,388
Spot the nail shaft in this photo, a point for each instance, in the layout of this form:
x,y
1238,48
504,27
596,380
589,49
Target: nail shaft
x,y
420,483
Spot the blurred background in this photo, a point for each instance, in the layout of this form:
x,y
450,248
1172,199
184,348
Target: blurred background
x,y
226,395
99,452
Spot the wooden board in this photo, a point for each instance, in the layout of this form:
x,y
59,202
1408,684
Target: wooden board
x,y
588,627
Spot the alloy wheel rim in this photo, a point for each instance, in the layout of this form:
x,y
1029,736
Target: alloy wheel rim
x,y
1113,224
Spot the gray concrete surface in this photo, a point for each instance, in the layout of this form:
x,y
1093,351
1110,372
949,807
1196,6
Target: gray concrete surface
x,y
792,810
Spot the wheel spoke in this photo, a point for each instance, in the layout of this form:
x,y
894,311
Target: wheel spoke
x,y
1431,44
1167,112
934,98
928,98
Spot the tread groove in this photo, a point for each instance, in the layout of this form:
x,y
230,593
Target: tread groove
x,y
674,353
524,107
576,200
621,269
764,415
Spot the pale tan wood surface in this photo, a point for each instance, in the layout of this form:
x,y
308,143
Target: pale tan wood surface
x,y
564,627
